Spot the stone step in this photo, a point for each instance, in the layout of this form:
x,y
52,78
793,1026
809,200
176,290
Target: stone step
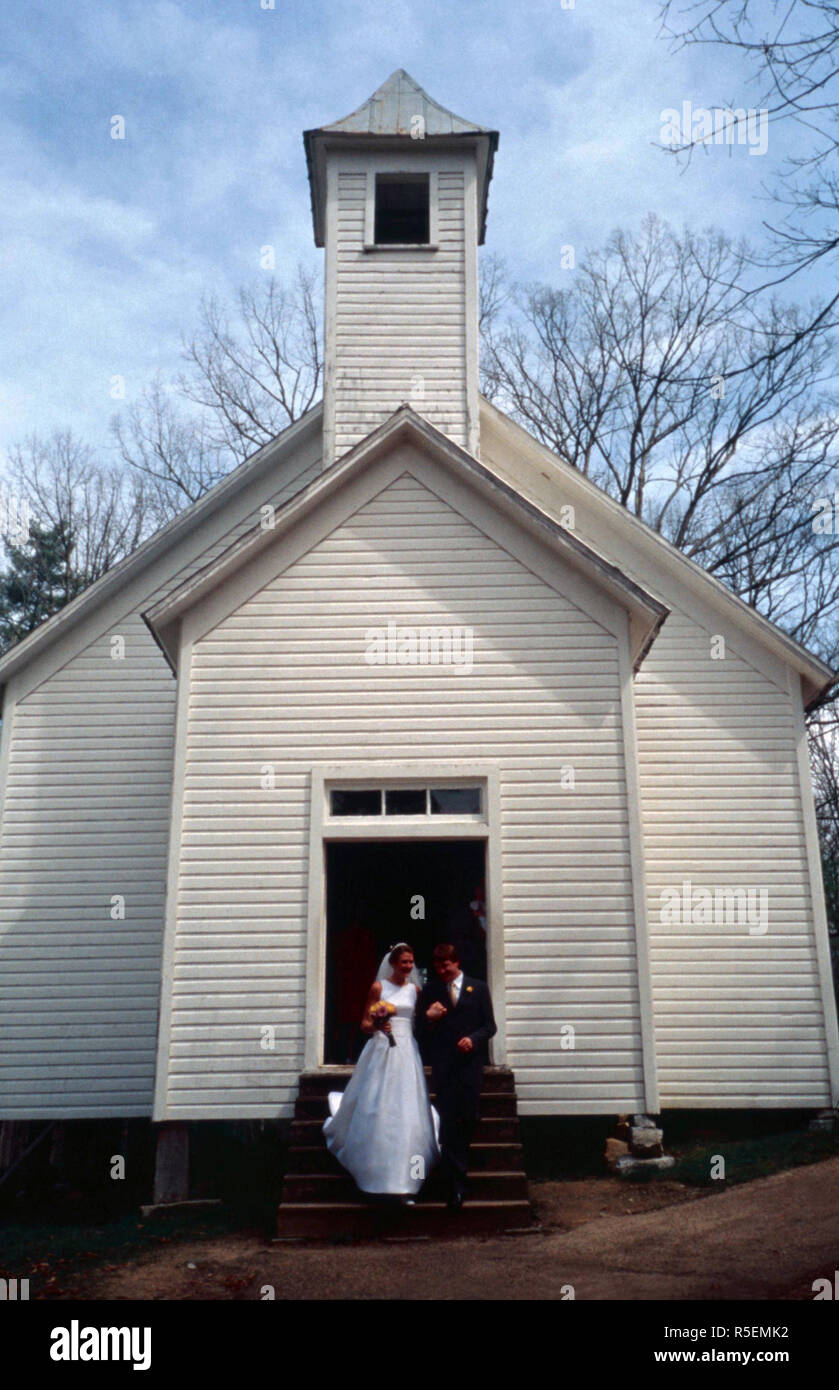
x,y
307,1131
363,1220
494,1105
339,1188
501,1158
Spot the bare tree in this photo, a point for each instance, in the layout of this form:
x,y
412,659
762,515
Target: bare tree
x,y
172,449
101,512
494,291
791,50
633,375
256,378
248,376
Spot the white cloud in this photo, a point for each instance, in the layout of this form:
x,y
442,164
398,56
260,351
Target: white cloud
x,y
108,244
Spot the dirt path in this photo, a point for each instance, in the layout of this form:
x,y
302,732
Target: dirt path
x,y
764,1240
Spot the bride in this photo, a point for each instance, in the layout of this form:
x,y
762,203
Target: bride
x,y
382,1127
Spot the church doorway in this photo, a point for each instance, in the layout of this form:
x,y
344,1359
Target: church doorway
x,y
379,892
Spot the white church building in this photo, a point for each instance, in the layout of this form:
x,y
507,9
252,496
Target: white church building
x,y
405,674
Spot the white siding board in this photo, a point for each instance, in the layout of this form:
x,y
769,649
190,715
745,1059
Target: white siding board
x,y
721,806
697,969
523,709
85,815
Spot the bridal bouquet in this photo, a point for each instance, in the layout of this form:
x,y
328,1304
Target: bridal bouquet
x,y
380,1014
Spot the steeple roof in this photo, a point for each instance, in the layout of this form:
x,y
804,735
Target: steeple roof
x,y
390,116
394,107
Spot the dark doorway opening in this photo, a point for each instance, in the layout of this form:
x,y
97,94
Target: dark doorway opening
x,y
370,889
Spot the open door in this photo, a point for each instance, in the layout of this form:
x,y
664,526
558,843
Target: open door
x,y
379,892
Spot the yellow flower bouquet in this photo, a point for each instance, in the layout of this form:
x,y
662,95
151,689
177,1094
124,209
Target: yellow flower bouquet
x,y
380,1016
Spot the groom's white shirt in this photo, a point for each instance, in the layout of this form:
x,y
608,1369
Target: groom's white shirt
x,y
457,984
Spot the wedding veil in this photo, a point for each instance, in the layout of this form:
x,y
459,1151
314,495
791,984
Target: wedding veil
x,y
385,970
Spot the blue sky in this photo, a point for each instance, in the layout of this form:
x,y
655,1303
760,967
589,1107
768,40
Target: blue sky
x,y
107,245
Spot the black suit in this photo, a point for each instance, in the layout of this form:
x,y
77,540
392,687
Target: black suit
x,y
456,1076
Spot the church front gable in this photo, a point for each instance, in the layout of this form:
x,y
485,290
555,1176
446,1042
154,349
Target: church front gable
x,y
406,639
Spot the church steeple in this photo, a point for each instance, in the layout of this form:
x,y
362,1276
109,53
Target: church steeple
x,y
399,200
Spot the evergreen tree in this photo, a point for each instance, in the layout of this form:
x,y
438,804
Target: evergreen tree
x,y
38,581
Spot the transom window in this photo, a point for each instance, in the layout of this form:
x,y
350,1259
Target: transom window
x,y
402,212
406,801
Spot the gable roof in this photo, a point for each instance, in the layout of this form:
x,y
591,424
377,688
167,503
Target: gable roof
x,y
564,481
389,116
646,613
114,579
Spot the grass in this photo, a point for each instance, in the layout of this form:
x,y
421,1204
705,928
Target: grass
x,y
48,1254
752,1157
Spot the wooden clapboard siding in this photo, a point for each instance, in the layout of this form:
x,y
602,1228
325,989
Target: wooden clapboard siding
x,y
739,1020
283,682
86,816
722,807
397,319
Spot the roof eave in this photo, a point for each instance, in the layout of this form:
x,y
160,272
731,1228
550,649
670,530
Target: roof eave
x,y
818,676
816,694
109,584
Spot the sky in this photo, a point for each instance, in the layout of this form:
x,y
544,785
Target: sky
x,y
107,245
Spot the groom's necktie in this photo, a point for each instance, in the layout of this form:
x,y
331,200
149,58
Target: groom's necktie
x,y
452,993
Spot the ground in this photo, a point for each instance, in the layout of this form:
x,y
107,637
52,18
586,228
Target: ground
x,y
605,1237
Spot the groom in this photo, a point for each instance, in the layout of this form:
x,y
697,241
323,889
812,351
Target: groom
x,y
457,1024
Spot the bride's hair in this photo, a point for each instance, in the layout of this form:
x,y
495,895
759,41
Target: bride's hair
x,y
399,950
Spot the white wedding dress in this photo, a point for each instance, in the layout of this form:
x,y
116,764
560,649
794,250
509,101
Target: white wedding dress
x,y
382,1127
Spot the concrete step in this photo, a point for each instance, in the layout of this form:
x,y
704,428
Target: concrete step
x,y
363,1220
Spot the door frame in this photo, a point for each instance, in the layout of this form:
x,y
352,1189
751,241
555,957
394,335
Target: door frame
x,y
325,829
